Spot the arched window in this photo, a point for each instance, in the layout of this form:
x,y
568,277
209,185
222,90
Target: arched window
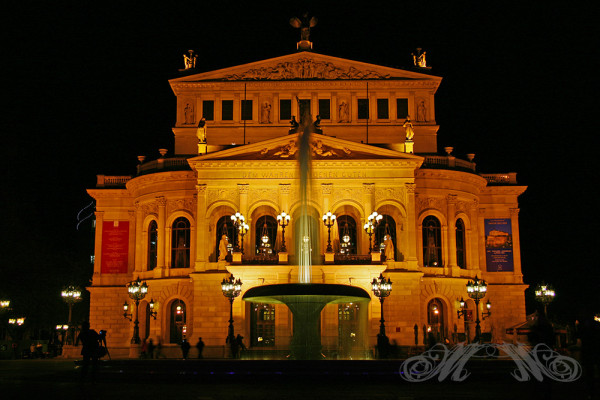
x,y
432,242
180,245
225,227
177,321
435,319
152,245
347,234
265,226
387,226
461,259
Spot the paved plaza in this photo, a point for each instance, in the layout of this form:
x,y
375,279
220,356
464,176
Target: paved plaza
x,y
244,379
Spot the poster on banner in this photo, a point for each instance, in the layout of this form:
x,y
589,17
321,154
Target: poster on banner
x,y
499,245
115,247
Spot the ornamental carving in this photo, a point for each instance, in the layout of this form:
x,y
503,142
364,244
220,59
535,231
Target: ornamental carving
x,y
396,193
304,68
188,205
149,208
425,203
214,195
260,194
318,150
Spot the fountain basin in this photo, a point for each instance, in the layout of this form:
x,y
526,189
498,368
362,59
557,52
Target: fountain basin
x,y
306,301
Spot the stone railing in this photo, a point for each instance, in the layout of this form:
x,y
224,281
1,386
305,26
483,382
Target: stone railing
x,y
107,181
447,162
501,179
175,163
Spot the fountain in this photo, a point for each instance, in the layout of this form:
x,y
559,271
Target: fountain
x,y
305,300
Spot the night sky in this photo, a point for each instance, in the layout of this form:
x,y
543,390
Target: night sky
x,y
85,91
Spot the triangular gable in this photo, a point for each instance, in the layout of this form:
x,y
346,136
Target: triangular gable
x,y
322,148
306,66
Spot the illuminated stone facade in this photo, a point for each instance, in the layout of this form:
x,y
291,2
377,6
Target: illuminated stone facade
x,y
164,224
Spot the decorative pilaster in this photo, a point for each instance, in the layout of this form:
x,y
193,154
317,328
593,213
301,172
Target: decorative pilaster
x,y
514,221
139,242
132,242
411,256
162,236
481,239
243,202
98,246
202,230
368,193
473,236
451,211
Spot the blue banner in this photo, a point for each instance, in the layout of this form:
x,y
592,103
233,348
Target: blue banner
x,y
498,245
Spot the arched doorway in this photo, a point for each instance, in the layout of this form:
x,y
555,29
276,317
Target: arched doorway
x,y
347,234
266,226
435,319
387,226
225,227
177,321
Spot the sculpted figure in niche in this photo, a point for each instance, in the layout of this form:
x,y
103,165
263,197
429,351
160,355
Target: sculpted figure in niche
x,y
408,126
223,243
421,111
265,114
344,112
201,131
389,248
188,114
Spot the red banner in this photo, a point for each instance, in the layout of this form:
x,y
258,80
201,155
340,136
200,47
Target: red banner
x,y
115,247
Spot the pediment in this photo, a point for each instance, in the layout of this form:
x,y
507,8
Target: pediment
x,y
306,66
322,148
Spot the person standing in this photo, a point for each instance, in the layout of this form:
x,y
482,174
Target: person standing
x,y
150,349
200,347
90,344
185,348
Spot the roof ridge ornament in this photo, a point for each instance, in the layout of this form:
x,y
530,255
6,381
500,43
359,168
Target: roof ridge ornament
x,y
304,24
419,59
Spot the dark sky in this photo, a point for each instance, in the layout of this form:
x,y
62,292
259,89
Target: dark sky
x,y
85,91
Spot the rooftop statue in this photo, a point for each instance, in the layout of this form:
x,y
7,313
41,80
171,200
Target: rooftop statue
x,y
189,61
419,59
304,24
408,126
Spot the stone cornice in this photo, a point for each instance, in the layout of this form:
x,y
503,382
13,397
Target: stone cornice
x,y
444,174
504,190
159,177
108,193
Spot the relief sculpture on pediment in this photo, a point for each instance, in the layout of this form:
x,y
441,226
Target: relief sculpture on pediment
x,y
318,150
305,68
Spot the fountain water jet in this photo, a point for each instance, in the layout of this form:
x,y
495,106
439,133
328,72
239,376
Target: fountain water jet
x,y
305,300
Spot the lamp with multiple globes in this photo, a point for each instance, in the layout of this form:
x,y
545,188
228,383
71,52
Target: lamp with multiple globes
x,y
476,289
381,288
544,294
71,295
283,220
329,220
231,289
372,221
137,291
238,221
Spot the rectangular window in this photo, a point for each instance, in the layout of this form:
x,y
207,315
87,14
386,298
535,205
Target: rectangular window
x,y
303,107
363,108
227,110
325,108
383,109
401,108
246,110
285,109
208,110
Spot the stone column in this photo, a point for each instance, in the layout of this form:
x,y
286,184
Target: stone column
x,y
162,236
243,202
473,237
514,221
203,240
139,243
481,239
411,221
132,242
368,192
451,227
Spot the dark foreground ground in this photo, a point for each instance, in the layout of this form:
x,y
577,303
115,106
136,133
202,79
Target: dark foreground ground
x,y
249,379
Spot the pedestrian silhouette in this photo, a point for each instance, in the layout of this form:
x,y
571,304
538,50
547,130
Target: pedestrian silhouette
x,y
185,348
90,345
200,347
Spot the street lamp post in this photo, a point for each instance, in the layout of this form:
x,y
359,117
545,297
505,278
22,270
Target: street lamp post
x,y
137,291
231,289
283,220
329,220
477,290
71,295
238,221
369,227
382,289
544,294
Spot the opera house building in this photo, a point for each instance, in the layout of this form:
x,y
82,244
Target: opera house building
x,y
377,199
